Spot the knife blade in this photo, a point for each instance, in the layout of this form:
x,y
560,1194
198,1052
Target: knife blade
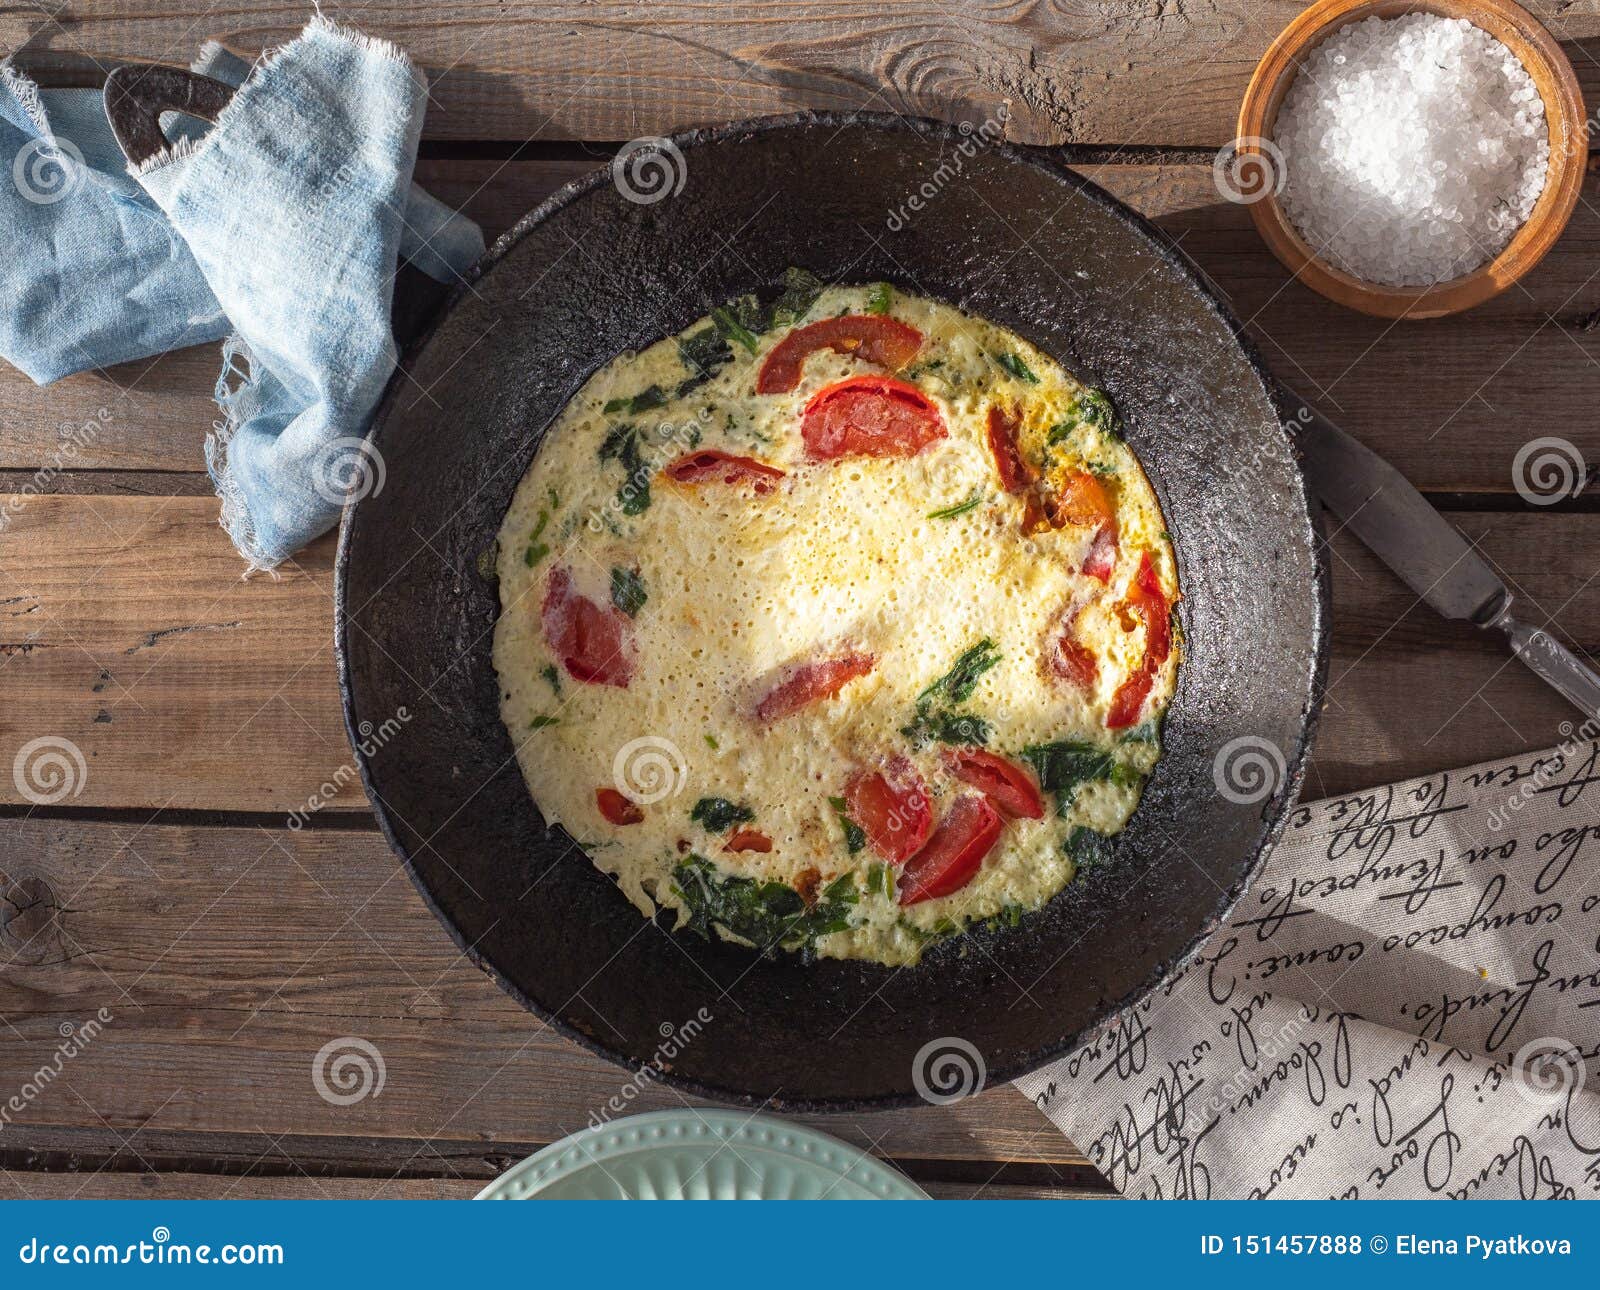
x,y
1428,553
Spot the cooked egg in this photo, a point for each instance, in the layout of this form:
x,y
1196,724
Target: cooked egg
x,y
842,646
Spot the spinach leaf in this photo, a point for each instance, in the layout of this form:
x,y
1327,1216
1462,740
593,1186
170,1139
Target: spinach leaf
x,y
652,396
878,297
1146,732
704,353
1010,915
1095,408
1125,776
935,720
1013,363
1063,765
831,913
1087,848
960,508
548,671
946,727
800,291
537,550
945,927
627,591
1060,432
958,683
732,326
854,836
621,444
880,880
539,723
718,814
767,914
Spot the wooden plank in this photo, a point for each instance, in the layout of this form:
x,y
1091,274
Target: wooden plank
x,y
1120,72
24,1185
1450,402
225,959
126,630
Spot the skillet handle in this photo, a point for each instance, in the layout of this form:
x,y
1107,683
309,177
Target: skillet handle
x,y
135,98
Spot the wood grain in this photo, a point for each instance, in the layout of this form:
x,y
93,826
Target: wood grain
x,y
225,958
125,629
28,1185
1118,71
1476,387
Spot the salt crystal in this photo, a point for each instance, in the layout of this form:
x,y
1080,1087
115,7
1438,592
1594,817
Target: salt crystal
x,y
1413,149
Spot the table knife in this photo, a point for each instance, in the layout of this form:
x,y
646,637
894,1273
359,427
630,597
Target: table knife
x,y
1428,553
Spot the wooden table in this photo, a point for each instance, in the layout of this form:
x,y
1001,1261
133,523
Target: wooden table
x,y
227,949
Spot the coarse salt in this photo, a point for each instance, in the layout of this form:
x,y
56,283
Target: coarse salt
x,y
1413,148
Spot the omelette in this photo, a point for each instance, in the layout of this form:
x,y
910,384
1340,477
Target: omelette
x,y
836,624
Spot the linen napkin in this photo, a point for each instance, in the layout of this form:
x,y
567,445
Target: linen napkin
x,y
1406,1003
280,229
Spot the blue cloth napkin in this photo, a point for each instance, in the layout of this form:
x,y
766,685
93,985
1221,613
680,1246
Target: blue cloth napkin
x,y
279,229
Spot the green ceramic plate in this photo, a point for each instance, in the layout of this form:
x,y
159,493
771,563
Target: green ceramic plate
x,y
701,1155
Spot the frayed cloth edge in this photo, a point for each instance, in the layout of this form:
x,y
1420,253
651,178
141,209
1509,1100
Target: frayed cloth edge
x,y
179,151
234,516
26,94
319,25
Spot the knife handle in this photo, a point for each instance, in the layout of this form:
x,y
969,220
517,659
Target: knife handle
x,y
1554,663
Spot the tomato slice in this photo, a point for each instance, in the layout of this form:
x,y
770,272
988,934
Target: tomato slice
x,y
1129,699
1073,661
1081,499
870,337
870,416
748,840
892,808
1102,557
1016,475
1003,782
809,682
954,853
711,466
1146,599
616,808
594,644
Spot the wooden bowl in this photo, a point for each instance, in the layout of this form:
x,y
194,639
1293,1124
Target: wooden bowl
x,y
1553,76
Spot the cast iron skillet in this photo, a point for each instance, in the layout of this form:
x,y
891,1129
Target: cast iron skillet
x,y
1012,237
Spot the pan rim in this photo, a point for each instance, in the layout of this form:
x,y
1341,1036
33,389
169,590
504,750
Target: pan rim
x,y
1160,243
